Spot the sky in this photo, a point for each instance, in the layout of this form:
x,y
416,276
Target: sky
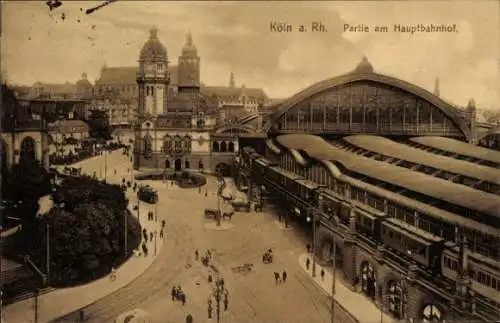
x,y
38,45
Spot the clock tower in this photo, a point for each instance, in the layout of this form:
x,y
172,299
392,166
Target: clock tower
x,y
152,77
189,67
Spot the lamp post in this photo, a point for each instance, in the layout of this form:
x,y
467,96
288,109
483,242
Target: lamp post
x,y
156,211
125,229
219,293
105,165
155,240
47,240
334,274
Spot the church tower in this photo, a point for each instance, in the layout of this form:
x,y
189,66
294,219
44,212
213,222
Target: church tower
x,y
152,77
436,87
231,80
189,67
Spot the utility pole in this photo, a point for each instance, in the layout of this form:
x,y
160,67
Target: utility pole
x,y
47,241
334,275
126,232
314,244
105,165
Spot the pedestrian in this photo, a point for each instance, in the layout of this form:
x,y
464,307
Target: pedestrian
x,y
284,276
183,299
151,236
308,262
308,246
145,249
276,278
196,254
112,276
322,274
161,234
173,293
189,318
226,302
163,223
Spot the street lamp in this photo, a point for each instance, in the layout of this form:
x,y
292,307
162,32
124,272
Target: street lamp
x,y
156,211
334,274
311,216
219,293
155,240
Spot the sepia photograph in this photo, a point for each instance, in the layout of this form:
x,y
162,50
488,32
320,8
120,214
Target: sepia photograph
x,y
250,161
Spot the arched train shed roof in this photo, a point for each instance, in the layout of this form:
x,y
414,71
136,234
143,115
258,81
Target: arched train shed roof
x,y
352,77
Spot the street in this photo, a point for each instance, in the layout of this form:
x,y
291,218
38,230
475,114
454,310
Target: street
x,y
253,297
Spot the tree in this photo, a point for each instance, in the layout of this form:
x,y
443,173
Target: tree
x,y
84,244
27,183
98,122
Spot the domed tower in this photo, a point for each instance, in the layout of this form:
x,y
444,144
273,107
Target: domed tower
x,y
152,77
189,67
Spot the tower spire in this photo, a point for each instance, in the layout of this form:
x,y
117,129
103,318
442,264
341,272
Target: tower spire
x,y
153,33
231,80
436,87
189,38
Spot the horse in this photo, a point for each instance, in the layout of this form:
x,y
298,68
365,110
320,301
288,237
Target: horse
x,y
228,215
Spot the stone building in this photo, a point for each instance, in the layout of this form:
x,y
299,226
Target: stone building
x,y
173,126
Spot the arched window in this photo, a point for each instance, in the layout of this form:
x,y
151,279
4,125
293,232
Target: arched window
x,y
368,281
432,314
215,146
167,144
223,147
28,150
186,164
167,163
187,144
396,299
177,144
200,164
230,147
147,146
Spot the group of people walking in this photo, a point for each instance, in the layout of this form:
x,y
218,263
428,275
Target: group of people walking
x,y
280,279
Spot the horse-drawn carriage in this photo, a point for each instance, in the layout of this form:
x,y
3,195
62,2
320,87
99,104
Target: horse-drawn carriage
x,y
267,257
241,205
212,213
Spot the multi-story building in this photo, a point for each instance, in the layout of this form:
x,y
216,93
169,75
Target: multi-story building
x,y
173,127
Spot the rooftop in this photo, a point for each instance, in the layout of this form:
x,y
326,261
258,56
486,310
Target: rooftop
x,y
459,147
450,192
393,149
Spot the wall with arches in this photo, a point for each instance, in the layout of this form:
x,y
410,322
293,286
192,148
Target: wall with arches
x,y
28,144
390,288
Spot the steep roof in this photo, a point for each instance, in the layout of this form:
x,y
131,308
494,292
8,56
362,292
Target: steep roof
x,y
65,88
234,93
126,75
